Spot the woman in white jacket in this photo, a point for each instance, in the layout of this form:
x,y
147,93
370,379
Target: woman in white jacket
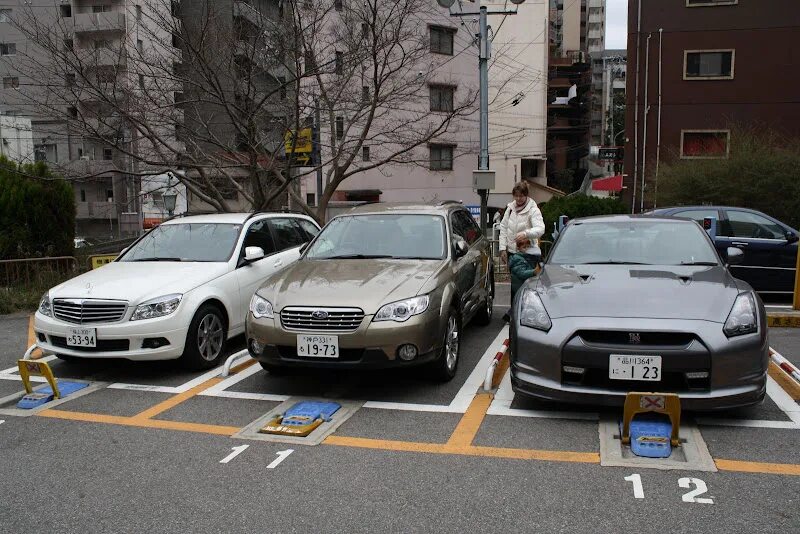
x,y
521,227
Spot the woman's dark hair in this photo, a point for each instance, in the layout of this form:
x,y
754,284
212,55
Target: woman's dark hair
x,y
521,188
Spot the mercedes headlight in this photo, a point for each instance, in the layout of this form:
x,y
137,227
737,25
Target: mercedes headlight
x,y
533,313
261,308
157,307
44,306
743,317
402,310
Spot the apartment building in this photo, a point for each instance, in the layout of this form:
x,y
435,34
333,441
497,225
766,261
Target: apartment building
x,y
609,70
700,67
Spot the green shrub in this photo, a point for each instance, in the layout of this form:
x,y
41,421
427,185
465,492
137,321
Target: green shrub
x,y
575,206
37,212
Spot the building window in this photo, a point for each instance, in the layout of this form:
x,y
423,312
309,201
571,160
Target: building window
x,y
309,61
65,11
140,45
108,154
69,79
68,45
365,153
442,97
365,96
11,82
45,152
708,65
707,3
310,200
705,144
339,127
83,195
138,12
442,40
441,157
141,81
338,5
110,195
102,43
5,15
8,49
364,30
339,63
101,9
106,75
282,88
72,111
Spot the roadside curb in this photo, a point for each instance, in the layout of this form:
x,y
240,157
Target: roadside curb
x,y
783,320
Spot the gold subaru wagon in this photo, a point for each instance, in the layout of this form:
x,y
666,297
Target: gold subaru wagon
x,y
385,285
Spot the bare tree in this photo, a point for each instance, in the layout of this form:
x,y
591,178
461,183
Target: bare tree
x,y
211,87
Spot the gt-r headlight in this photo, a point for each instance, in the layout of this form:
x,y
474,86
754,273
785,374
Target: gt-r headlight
x,y
533,313
261,308
402,310
743,318
157,307
44,306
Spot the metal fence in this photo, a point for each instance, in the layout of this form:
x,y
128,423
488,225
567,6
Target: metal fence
x,y
500,269
32,271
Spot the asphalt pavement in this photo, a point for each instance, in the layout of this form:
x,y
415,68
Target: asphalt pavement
x,y
146,452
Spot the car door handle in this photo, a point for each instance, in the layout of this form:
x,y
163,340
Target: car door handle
x,y
738,244
277,263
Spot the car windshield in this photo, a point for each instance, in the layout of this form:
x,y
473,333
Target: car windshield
x,y
381,236
633,242
207,242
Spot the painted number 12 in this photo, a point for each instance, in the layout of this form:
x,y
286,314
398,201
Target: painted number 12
x,y
687,483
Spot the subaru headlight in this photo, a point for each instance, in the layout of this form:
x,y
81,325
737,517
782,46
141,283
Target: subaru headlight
x,y
533,312
743,318
261,308
157,307
402,310
44,306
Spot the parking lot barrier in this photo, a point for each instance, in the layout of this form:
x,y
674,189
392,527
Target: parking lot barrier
x,y
488,381
226,368
785,364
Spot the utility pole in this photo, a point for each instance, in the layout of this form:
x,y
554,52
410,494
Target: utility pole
x,y
483,178
317,150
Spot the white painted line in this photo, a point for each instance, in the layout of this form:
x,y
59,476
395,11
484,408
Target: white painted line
x,y
783,400
205,377
247,396
15,369
144,387
281,457
475,380
19,378
747,423
231,380
236,452
504,408
411,407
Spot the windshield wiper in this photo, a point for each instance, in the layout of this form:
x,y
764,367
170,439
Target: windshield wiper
x,y
157,259
414,258
610,262
708,263
357,257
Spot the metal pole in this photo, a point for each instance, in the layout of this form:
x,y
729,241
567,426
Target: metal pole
x,y
796,304
317,150
636,108
646,111
483,63
658,127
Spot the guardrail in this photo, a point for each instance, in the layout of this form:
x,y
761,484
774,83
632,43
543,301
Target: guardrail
x,y
28,271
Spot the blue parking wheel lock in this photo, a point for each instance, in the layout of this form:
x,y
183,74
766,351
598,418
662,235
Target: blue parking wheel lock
x,y
311,410
650,436
45,394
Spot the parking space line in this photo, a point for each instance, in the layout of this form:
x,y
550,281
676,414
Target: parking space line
x,y
467,392
233,379
501,405
174,401
758,467
138,422
411,407
783,400
470,423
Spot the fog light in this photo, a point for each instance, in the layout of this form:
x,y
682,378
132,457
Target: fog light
x,y
41,337
154,342
573,370
697,374
407,352
256,347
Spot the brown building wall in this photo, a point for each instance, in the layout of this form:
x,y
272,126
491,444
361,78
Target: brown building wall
x,y
765,89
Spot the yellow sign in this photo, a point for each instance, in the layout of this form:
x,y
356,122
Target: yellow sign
x,y
303,144
101,259
30,367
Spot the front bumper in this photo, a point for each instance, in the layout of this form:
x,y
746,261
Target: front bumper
x,y
736,367
371,346
122,339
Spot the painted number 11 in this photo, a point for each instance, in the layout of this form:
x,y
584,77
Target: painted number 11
x,y
687,483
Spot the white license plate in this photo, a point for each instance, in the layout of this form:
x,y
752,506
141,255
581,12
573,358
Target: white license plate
x,y
318,346
634,367
82,337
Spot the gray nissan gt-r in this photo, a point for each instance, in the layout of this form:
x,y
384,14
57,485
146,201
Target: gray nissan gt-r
x,y
627,303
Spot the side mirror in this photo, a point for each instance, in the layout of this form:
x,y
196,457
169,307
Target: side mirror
x,y
304,247
460,249
252,254
791,237
735,256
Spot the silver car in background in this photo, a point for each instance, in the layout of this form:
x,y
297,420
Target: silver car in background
x,y
627,303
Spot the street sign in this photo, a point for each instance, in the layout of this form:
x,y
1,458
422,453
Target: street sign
x,y
475,211
304,143
609,153
98,260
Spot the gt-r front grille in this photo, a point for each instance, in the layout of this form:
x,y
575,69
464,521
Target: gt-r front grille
x,y
329,319
89,311
629,339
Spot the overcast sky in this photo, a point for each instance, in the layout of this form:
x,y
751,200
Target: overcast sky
x,y
616,24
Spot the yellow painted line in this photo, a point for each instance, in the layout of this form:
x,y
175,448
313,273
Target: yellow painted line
x,y
470,423
175,400
242,366
778,320
785,381
141,423
36,354
437,448
758,467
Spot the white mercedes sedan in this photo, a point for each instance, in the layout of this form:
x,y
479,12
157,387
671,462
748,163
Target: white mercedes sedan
x,y
180,291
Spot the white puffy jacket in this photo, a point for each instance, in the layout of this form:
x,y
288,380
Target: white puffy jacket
x,y
528,220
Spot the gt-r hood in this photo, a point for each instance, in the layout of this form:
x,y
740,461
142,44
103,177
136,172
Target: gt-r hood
x,y
361,283
646,291
139,281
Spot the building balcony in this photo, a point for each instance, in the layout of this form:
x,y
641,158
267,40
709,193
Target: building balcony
x,y
242,9
105,57
566,124
112,21
82,168
95,210
559,83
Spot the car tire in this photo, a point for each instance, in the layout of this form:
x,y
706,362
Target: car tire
x,y
205,340
444,368
275,370
484,315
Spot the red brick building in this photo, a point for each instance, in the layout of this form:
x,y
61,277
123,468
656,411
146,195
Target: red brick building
x,y
697,67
